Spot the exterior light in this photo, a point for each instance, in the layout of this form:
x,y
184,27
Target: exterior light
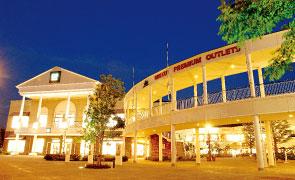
x,y
154,92
232,66
154,130
238,120
196,76
291,115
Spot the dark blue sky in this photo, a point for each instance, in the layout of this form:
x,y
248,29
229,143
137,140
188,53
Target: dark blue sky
x,y
95,36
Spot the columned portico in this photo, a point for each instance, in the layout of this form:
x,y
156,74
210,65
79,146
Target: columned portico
x,y
257,128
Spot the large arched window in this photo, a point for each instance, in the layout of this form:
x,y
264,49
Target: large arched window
x,y
60,118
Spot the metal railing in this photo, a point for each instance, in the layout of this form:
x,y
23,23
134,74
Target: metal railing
x,y
231,95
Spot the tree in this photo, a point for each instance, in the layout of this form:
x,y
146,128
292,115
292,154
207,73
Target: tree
x,y
101,113
281,132
248,131
243,20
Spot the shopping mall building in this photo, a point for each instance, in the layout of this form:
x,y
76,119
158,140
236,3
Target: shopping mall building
x,y
157,117
160,124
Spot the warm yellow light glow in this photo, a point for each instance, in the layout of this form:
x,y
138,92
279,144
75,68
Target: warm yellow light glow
x,y
238,120
154,92
196,76
35,125
291,115
232,66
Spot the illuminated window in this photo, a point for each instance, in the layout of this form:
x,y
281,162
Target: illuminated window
x,y
25,121
84,148
140,149
15,122
55,146
60,115
55,77
16,146
39,145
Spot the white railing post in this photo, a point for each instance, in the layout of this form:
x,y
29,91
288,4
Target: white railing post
x,y
261,83
173,145
160,147
195,95
223,88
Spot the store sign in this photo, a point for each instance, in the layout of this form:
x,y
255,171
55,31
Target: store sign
x,y
197,60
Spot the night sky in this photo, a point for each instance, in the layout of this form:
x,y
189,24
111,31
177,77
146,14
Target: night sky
x,y
94,37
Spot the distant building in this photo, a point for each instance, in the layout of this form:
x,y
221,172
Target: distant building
x,y
50,116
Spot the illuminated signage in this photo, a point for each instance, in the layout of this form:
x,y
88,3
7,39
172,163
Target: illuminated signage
x,y
223,52
161,74
197,60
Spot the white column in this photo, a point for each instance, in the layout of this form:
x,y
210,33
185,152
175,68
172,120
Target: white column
x,y
205,93
258,142
21,111
250,74
198,152
259,153
195,94
160,147
90,154
123,146
269,143
173,98
223,88
150,101
39,109
261,83
34,143
68,107
173,145
135,147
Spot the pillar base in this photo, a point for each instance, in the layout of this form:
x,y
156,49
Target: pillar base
x,y
198,164
173,165
260,169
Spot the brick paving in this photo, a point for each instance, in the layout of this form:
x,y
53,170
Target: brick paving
x,y
25,167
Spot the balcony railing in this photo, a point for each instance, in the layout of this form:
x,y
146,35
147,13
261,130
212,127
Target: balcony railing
x,y
75,128
231,95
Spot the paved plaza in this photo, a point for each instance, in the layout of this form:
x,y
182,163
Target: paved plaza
x,y
25,167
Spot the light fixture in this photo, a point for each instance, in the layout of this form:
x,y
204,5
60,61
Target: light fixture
x,y
291,115
154,130
154,92
238,120
196,76
232,66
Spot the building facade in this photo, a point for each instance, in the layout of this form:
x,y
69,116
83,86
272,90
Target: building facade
x,y
154,110
50,117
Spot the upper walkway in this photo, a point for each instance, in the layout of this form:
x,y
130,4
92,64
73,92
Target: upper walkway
x,y
147,112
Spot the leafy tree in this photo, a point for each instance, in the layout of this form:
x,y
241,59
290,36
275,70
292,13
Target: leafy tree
x,y
281,132
243,20
101,112
248,131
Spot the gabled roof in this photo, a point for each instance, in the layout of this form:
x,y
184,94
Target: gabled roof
x,y
67,77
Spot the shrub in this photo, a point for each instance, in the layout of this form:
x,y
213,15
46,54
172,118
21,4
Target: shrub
x,y
96,166
75,157
124,158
